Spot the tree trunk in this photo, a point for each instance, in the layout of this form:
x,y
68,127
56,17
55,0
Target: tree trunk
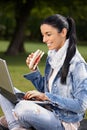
x,y
22,11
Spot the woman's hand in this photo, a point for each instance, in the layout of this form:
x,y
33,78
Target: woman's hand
x,y
33,59
35,95
28,60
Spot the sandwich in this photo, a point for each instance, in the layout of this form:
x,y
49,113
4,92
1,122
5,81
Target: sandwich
x,y
36,58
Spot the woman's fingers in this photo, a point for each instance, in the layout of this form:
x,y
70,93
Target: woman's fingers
x,y
33,59
29,95
29,58
35,95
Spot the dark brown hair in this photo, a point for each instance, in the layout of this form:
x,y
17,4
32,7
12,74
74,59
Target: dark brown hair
x,y
59,22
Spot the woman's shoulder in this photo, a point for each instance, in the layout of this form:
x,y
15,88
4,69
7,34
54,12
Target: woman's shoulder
x,y
77,60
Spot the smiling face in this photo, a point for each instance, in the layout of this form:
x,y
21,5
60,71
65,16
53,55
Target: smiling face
x,y
52,37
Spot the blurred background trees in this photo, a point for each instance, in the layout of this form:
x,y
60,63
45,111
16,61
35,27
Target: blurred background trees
x,y
20,19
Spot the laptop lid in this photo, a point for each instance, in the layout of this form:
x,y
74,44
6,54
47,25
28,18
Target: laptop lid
x,y
6,85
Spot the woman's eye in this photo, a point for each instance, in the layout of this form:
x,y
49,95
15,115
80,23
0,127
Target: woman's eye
x,y
49,34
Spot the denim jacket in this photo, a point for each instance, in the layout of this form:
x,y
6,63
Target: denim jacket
x,y
69,101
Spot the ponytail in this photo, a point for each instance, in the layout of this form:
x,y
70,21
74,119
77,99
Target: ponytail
x,y
71,35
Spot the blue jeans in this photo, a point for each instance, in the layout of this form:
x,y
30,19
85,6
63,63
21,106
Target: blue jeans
x,y
28,114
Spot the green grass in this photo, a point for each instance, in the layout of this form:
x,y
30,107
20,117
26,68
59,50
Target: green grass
x,y
17,65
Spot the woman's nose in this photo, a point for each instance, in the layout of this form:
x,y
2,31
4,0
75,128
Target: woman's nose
x,y
44,39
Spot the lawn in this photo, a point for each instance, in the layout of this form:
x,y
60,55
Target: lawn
x,y
17,65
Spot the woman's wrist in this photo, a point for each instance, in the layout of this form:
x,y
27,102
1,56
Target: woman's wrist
x,y
44,97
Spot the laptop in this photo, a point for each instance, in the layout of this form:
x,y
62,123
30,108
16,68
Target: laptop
x,y
7,87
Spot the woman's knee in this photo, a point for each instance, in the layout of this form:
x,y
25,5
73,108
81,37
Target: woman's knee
x,y
24,107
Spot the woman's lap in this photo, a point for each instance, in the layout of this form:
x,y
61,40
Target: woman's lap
x,y
31,114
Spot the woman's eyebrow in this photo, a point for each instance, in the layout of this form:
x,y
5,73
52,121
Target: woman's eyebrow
x,y
47,32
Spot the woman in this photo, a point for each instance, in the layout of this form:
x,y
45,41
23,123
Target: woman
x,y
64,85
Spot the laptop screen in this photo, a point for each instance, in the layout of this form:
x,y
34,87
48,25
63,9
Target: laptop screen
x,y
5,79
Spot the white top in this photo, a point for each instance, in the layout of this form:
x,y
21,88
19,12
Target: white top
x,y
51,79
71,126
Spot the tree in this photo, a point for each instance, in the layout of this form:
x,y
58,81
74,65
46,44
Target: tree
x,y
22,11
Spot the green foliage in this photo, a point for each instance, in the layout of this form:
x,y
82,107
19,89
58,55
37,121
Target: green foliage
x,y
33,26
42,8
7,20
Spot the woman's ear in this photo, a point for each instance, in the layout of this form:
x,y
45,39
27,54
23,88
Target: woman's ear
x,y
64,32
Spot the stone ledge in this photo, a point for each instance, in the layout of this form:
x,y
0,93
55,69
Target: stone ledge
x,y
31,129
83,125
